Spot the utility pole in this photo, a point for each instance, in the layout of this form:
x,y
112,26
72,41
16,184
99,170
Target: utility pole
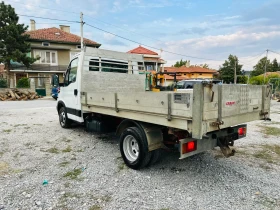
x,y
264,75
82,31
235,70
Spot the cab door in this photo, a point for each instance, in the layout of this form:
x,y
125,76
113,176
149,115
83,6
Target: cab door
x,y
70,92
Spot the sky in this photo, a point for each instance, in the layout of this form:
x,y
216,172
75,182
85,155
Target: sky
x,y
208,30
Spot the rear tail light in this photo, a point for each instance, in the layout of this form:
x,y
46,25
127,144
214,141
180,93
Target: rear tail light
x,y
189,147
242,131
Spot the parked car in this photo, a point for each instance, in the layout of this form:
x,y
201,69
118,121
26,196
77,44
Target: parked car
x,y
188,84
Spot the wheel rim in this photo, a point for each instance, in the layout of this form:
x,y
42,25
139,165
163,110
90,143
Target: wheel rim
x,y
130,148
62,118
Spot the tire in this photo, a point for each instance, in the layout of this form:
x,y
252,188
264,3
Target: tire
x,y
155,157
134,148
63,119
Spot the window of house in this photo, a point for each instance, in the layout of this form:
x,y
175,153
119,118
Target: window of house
x,y
46,57
46,44
78,46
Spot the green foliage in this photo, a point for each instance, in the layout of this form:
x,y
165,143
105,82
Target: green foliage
x,y
181,63
3,83
275,66
226,72
13,44
23,83
259,68
259,80
242,79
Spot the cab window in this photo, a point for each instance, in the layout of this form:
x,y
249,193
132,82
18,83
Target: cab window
x,y
71,73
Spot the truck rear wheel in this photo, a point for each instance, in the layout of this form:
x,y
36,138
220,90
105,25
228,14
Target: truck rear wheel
x,y
134,148
63,119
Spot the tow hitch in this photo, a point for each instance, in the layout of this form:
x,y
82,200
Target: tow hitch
x,y
224,143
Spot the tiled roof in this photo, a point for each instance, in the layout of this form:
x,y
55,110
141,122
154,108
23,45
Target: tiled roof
x,y
142,50
191,69
58,35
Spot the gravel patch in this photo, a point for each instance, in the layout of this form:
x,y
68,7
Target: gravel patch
x,y
43,166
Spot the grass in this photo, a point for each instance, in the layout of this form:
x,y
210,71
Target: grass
x,y
64,163
73,174
274,148
80,150
53,150
4,168
2,153
66,139
16,155
38,124
95,207
67,149
122,166
270,153
273,131
67,184
263,154
17,125
7,130
105,198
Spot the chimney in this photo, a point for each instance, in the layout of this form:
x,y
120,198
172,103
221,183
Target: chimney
x,y
32,25
65,28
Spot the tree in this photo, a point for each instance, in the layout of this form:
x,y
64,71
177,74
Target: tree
x,y
226,72
260,67
275,66
181,63
206,66
13,40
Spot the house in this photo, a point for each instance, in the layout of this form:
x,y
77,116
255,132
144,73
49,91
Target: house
x,y
152,60
55,47
188,72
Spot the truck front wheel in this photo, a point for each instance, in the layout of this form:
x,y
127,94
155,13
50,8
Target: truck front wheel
x,y
134,148
63,119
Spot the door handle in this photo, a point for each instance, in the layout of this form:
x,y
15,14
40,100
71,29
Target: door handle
x,y
75,92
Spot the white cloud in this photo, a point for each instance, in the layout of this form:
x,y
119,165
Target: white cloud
x,y
107,36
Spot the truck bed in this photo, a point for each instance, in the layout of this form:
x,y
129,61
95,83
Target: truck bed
x,y
204,109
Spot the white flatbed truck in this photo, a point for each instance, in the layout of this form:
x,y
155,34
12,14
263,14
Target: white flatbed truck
x,y
107,89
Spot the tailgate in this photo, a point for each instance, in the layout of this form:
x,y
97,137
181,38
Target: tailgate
x,y
223,106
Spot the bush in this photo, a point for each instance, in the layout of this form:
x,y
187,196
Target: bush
x,y
258,80
3,83
23,83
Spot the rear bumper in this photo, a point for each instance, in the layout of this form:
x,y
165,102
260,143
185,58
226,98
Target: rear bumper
x,y
225,136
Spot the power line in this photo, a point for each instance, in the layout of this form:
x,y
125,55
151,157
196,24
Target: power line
x,y
70,21
255,57
148,45
54,23
120,28
274,52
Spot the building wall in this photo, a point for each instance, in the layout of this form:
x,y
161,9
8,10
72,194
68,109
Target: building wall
x,y
63,57
201,75
63,51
